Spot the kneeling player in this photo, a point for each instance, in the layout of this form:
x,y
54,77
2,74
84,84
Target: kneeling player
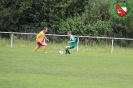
x,y
71,43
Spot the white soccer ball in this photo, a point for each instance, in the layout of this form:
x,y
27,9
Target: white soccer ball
x,y
60,52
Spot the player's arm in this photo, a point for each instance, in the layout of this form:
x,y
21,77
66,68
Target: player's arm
x,y
46,38
71,41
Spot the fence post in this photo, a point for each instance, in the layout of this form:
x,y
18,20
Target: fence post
x,y
77,43
112,46
12,40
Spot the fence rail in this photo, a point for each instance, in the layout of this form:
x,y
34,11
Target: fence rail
x,y
78,38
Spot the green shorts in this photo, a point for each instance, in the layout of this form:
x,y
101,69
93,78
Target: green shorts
x,y
72,45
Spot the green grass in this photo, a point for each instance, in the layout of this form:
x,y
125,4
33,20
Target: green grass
x,y
91,67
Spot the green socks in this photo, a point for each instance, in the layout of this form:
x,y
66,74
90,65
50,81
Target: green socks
x,y
67,51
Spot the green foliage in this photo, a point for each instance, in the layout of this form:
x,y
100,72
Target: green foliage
x,y
78,26
82,17
75,24
122,28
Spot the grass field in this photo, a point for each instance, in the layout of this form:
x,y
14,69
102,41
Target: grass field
x,y
91,67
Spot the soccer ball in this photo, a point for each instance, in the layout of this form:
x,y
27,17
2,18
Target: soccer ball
x,y
60,52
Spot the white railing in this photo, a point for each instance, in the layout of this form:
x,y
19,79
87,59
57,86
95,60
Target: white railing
x,y
78,38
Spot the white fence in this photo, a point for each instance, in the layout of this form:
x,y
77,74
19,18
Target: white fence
x,y
78,38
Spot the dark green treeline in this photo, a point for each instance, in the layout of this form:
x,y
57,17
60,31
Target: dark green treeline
x,y
82,17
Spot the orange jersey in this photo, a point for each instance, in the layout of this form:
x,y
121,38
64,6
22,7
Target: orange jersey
x,y
40,36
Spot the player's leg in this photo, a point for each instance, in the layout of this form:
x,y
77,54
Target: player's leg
x,y
39,44
37,47
67,49
45,46
70,46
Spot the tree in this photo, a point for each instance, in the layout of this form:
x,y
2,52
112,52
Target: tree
x,y
84,17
